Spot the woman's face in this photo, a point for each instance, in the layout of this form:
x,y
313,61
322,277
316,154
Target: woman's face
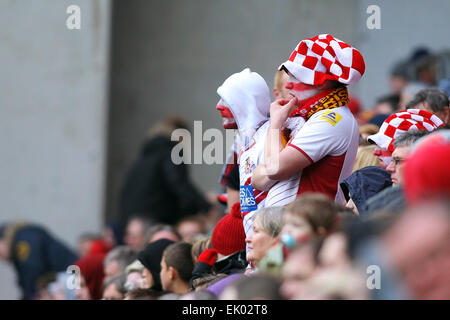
x,y
297,227
258,243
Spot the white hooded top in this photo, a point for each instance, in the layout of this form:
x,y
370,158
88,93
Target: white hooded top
x,y
247,95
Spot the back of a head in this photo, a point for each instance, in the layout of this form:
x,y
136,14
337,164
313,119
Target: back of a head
x,y
431,98
317,209
166,126
199,246
178,256
400,69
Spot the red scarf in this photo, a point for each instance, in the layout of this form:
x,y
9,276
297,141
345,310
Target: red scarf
x,y
327,99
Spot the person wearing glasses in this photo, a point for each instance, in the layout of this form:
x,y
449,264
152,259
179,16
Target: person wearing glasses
x,y
392,198
401,153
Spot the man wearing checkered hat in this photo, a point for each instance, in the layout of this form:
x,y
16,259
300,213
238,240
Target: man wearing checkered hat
x,y
321,154
397,124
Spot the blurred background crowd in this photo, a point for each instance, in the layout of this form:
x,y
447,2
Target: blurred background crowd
x,y
86,182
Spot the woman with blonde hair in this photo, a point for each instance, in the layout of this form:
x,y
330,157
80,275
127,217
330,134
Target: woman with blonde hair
x,y
365,157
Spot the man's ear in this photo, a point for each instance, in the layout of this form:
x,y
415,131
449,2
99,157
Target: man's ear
x,y
173,273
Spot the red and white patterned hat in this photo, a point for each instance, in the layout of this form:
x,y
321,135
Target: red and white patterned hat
x,y
401,122
325,57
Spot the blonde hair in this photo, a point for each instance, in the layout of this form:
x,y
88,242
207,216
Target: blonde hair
x,y
199,246
365,158
278,81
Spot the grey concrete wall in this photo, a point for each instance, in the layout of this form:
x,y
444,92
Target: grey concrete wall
x,y
53,118
405,25
169,57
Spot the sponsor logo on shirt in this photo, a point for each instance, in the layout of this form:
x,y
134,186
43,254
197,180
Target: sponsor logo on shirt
x,y
247,198
249,166
332,117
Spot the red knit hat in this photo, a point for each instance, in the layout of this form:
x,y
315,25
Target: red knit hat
x,y
228,236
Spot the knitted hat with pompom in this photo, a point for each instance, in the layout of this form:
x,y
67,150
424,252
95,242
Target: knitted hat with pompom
x,y
228,236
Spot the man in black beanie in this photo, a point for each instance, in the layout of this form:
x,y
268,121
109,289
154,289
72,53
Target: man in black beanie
x,y
151,257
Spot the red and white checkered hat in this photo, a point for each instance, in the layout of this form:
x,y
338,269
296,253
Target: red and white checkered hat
x,y
401,122
325,58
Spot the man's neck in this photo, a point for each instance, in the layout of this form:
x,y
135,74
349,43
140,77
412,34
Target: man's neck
x,y
180,287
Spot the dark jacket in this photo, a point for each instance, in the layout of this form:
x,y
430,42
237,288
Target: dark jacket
x,y
34,252
364,184
235,263
390,199
157,188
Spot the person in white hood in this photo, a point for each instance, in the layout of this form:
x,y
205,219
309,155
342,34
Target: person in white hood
x,y
245,101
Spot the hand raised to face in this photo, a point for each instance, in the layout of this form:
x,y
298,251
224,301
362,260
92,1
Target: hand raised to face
x,y
280,110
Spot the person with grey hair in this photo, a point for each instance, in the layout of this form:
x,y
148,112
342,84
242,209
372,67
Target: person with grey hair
x,y
402,149
114,288
117,260
432,100
267,225
392,198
